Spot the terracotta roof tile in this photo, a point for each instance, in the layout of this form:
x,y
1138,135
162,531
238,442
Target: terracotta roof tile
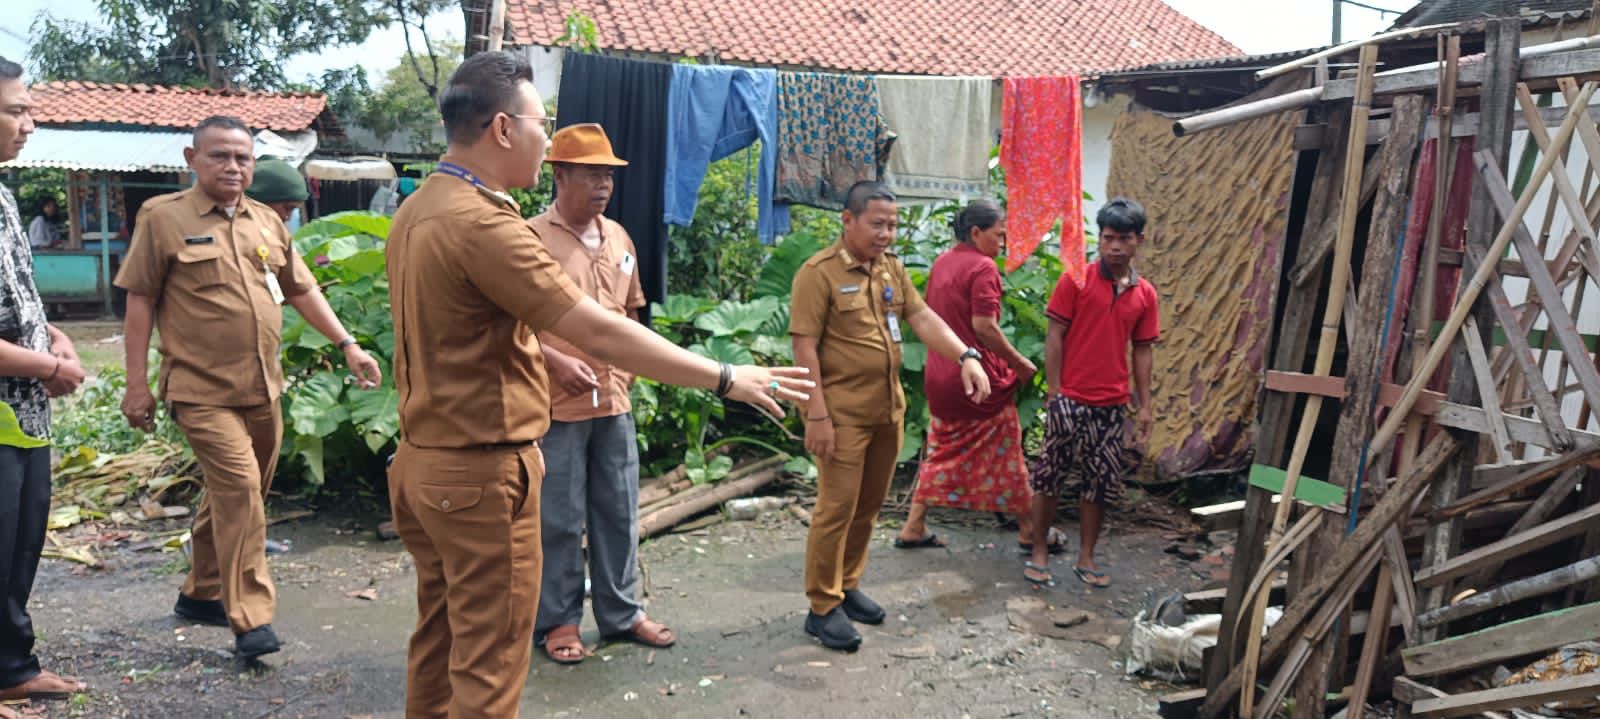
x,y
72,102
933,37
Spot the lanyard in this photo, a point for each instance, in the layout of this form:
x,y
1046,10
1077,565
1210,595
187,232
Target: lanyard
x,y
461,173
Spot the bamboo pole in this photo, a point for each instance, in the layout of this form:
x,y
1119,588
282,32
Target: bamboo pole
x,y
1349,208
1338,50
1469,293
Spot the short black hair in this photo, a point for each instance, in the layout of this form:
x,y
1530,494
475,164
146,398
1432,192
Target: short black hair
x,y
1123,215
220,122
863,193
979,214
486,84
9,70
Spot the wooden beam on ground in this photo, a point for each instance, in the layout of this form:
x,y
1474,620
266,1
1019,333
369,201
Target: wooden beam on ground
x,y
1534,586
1523,637
1583,686
1411,691
1515,545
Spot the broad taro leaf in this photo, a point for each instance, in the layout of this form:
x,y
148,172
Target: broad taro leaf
x,y
377,413
315,408
679,309
724,349
914,356
733,318
777,275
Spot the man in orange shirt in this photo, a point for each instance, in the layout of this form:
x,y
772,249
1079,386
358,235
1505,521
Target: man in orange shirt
x,y
591,449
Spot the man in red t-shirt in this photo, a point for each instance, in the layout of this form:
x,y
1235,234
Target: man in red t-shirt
x,y
1086,367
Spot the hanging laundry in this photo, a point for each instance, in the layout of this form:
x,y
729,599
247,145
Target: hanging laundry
x,y
629,99
713,112
831,135
945,128
1041,151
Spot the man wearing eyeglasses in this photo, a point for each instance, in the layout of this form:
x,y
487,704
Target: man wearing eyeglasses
x,y
591,449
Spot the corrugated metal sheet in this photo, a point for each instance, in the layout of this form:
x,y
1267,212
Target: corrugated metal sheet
x,y
104,150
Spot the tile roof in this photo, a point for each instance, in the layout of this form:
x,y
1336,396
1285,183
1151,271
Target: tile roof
x,y
72,102
924,37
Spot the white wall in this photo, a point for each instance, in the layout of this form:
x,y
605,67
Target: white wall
x,y
1099,114
546,63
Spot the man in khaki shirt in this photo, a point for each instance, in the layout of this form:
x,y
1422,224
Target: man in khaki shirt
x,y
211,266
593,477
471,287
846,307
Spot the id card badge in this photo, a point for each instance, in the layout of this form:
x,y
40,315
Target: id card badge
x,y
627,264
894,327
273,288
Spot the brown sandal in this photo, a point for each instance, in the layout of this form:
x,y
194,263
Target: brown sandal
x,y
45,685
659,636
564,645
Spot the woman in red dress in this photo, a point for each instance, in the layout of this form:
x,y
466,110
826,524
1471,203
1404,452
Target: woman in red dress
x,y
973,457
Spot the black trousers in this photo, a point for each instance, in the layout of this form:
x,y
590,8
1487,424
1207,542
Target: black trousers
x,y
24,511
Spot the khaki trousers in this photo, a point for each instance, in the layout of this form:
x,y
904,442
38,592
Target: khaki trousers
x,y
470,518
850,491
237,450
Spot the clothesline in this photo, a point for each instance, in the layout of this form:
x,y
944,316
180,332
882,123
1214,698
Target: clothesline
x,y
927,138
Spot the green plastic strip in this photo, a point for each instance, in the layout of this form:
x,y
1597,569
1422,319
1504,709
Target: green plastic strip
x,y
1308,490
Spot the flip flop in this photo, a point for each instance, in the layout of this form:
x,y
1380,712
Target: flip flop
x,y
1085,574
1049,578
1057,542
930,541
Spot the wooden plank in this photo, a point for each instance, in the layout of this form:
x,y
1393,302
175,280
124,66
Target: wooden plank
x,y
1534,586
1561,321
1576,63
1514,545
1209,601
1333,387
1583,686
1522,353
1507,641
1180,705
1487,393
1374,645
1527,478
1411,691
1348,468
1313,492
1395,502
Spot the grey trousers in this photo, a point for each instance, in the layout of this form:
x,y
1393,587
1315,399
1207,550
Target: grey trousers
x,y
591,480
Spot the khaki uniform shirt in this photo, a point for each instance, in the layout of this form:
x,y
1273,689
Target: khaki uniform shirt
x,y
609,276
469,286
218,321
846,305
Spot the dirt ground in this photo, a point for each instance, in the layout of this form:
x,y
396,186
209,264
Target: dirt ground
x,y
963,637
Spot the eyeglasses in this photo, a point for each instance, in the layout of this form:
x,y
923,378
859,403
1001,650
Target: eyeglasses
x,y
548,120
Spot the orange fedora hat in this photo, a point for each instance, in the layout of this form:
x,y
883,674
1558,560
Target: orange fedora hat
x,y
584,144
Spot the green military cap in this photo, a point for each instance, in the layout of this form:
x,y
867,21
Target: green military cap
x,y
277,181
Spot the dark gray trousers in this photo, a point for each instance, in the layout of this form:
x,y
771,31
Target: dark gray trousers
x,y
591,481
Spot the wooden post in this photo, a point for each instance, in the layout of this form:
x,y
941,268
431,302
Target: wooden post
x,y
1272,430
1326,345
1363,373
1502,40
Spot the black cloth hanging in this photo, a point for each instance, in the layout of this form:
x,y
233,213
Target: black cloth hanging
x,y
629,99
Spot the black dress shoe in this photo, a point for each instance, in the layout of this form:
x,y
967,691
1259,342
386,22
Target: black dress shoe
x,y
256,642
834,630
204,611
861,609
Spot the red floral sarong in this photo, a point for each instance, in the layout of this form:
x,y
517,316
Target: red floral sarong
x,y
976,465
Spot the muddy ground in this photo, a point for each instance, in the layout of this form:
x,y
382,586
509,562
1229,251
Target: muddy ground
x,y
963,636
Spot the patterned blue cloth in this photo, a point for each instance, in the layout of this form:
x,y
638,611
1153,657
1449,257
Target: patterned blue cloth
x,y
831,135
714,111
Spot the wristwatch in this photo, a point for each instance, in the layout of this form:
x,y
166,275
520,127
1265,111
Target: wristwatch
x,y
346,342
971,353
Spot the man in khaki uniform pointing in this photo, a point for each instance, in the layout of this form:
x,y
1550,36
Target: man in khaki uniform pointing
x,y
212,267
471,285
